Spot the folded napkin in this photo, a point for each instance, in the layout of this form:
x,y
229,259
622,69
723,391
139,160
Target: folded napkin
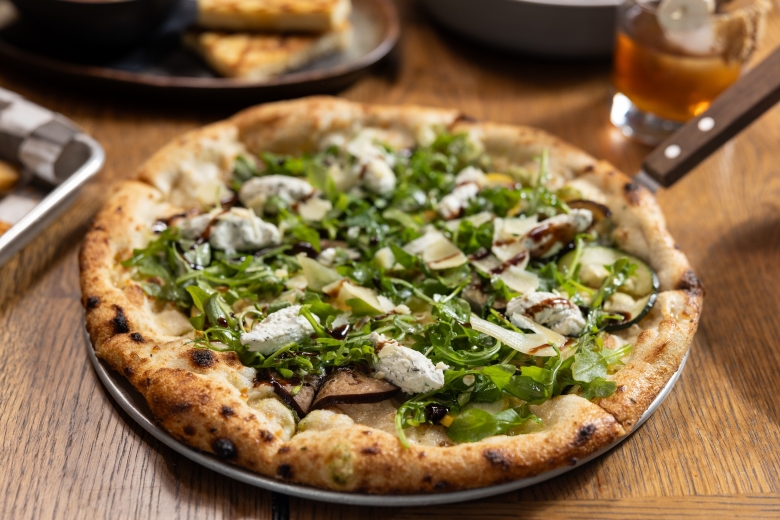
x,y
43,142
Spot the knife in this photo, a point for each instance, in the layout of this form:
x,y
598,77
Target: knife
x,y
741,104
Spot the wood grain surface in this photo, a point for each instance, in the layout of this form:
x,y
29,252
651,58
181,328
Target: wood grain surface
x,y
711,450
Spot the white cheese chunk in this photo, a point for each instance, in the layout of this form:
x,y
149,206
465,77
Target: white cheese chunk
x,y
406,368
277,330
378,177
551,310
257,191
241,230
471,174
314,209
194,227
451,205
374,164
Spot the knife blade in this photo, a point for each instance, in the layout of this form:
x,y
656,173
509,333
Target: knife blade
x,y
741,104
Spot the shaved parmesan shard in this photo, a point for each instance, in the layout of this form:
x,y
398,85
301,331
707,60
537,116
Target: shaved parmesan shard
x,y
531,344
314,209
553,337
436,251
317,275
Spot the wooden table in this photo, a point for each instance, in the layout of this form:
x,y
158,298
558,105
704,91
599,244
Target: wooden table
x,y
67,451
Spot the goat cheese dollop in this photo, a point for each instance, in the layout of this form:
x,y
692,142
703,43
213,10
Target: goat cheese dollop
x,y
241,230
550,310
374,164
406,368
468,183
281,328
257,191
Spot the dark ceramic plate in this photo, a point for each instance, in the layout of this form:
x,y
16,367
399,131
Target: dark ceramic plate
x,y
163,66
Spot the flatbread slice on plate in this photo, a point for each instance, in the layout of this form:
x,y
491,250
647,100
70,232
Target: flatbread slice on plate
x,y
273,15
261,56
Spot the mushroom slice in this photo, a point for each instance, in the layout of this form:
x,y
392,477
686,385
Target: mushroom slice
x,y
348,386
300,400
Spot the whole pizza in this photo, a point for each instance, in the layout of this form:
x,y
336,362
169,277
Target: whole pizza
x,y
387,299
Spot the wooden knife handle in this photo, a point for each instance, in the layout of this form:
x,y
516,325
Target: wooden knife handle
x,y
741,104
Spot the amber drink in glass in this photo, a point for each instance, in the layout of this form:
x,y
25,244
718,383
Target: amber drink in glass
x,y
666,72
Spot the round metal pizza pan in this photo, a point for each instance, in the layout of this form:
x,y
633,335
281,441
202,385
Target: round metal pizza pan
x,y
132,402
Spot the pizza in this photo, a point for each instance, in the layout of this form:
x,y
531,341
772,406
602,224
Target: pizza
x,y
387,299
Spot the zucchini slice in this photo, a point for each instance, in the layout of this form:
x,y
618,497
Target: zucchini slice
x,y
593,271
632,310
634,299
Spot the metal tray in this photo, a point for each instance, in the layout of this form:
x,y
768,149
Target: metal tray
x,y
134,404
47,204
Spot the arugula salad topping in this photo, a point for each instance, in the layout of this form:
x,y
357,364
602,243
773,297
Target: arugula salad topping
x,y
362,272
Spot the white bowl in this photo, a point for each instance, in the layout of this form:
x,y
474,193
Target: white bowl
x,y
556,28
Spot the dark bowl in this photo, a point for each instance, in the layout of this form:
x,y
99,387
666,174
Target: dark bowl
x,y
113,23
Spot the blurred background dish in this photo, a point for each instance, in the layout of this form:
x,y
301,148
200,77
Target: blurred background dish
x,y
161,65
553,28
110,22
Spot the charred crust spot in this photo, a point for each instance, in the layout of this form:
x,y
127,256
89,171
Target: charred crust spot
x,y
497,458
441,485
189,430
266,436
366,432
202,358
284,471
690,283
632,400
428,478
370,450
224,449
584,434
181,407
129,372
148,381
120,321
573,461
92,302
421,455
284,449
465,118
227,411
621,389
631,192
135,336
589,168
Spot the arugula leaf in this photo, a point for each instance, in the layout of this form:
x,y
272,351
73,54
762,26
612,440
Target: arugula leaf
x,y
475,424
598,387
588,365
500,375
472,425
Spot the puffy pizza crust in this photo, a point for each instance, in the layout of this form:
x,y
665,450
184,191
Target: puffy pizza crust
x,y
207,399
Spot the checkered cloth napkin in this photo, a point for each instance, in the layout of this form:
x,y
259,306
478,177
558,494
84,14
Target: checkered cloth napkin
x,y
38,139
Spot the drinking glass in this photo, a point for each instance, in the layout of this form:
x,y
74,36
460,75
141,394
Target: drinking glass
x,y
673,57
